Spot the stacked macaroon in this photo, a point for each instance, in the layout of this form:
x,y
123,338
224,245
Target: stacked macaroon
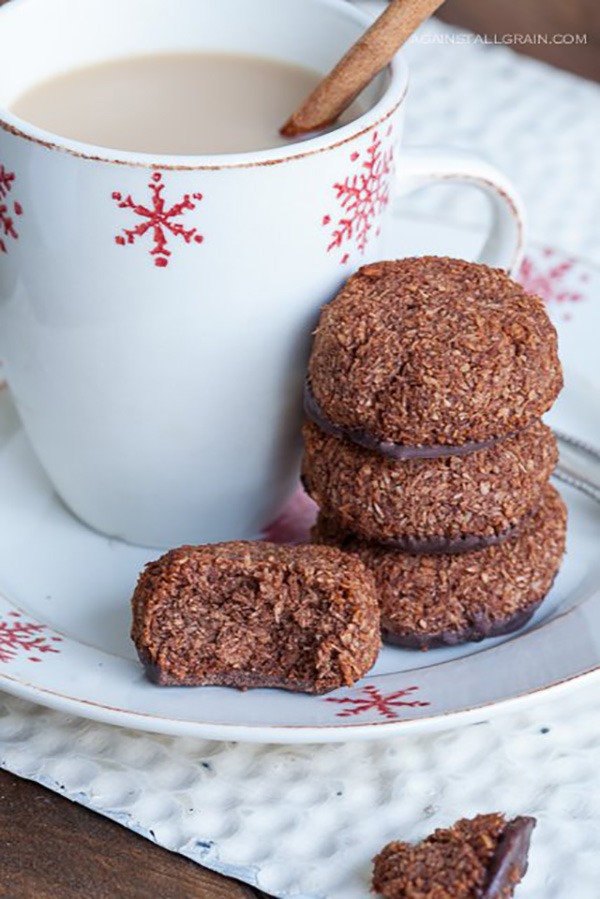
x,y
425,449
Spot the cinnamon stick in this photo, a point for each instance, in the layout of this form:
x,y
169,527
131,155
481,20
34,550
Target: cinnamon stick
x,y
363,61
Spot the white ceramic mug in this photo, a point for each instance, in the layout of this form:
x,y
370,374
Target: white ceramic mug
x,y
156,311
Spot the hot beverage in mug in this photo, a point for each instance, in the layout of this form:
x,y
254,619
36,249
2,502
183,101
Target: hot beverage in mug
x,y
161,271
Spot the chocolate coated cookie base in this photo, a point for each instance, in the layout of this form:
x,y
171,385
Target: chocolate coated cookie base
x,y
480,629
509,863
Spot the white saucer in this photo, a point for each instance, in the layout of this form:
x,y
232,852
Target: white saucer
x,y
64,600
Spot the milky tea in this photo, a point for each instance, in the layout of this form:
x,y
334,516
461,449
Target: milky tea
x,y
177,103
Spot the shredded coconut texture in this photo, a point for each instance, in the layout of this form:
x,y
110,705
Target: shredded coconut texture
x,y
480,858
432,350
435,600
242,614
484,493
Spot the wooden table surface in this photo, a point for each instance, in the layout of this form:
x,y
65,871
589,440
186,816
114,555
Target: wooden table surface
x,y
51,848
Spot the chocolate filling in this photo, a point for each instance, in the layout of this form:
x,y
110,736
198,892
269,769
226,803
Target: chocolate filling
x,y
509,863
385,447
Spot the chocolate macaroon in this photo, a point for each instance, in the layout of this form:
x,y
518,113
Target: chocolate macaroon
x,y
479,858
303,618
435,600
449,504
431,356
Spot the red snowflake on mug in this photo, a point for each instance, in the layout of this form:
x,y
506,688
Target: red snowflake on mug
x,y
7,225
362,196
370,699
18,636
158,218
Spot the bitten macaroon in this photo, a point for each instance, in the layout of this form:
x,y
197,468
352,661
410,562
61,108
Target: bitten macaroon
x,y
252,614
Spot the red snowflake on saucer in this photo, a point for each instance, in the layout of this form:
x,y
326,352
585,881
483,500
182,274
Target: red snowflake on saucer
x,y
362,196
369,699
17,635
553,280
158,218
7,225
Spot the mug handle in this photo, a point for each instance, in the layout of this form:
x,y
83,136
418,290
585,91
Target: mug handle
x,y
421,167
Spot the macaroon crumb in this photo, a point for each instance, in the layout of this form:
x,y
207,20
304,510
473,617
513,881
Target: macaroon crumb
x,y
479,858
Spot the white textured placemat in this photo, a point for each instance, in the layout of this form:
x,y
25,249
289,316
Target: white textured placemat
x,y
305,821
